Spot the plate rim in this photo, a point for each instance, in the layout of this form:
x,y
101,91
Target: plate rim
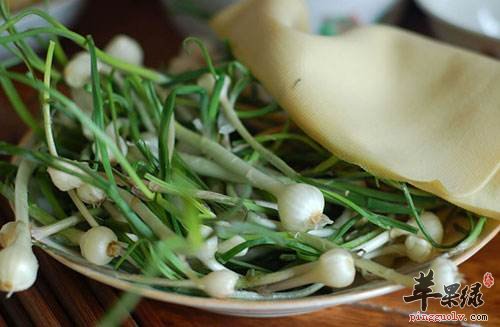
x,y
364,292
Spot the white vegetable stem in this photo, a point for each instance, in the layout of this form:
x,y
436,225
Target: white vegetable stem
x,y
156,225
343,218
114,212
171,137
228,160
86,214
374,243
46,104
43,232
63,181
21,205
205,167
384,272
261,220
393,250
300,205
324,232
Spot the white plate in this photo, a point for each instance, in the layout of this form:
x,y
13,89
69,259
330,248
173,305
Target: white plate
x,y
363,11
243,308
473,24
105,274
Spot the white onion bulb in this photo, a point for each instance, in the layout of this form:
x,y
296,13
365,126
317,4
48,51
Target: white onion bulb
x,y
432,224
301,207
125,48
64,181
220,284
99,245
18,264
417,248
91,194
77,71
335,268
445,273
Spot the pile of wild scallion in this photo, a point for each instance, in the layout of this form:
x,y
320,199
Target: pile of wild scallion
x,y
196,182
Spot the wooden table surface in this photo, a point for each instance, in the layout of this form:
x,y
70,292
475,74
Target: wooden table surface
x,y
63,297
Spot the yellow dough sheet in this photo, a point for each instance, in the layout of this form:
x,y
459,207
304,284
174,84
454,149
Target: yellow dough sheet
x,y
399,105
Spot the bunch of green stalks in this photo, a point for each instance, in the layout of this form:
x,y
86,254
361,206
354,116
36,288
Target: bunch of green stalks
x,y
194,183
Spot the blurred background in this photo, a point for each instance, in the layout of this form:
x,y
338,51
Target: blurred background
x,y
161,24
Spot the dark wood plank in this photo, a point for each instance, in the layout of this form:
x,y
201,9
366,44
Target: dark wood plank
x,y
107,297
147,313
348,315
3,323
14,313
42,307
72,291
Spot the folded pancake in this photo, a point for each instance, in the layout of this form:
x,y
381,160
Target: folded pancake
x,y
399,105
